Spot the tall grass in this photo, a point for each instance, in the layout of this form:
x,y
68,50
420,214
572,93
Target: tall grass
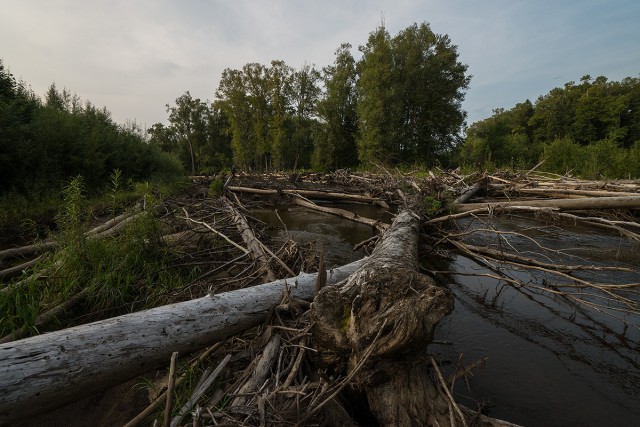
x,y
116,275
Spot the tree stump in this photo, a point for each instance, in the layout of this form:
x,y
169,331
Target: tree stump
x,y
376,328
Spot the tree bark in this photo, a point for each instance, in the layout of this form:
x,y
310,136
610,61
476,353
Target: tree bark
x,y
46,371
379,323
624,202
258,252
343,213
312,194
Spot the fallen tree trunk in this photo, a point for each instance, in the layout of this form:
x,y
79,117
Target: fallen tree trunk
x,y
343,213
46,371
375,329
624,202
109,228
17,270
312,194
257,250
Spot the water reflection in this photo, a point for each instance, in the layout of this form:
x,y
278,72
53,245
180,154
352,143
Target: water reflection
x,y
550,362
335,235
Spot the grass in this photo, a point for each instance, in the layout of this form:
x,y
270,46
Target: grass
x,y
119,274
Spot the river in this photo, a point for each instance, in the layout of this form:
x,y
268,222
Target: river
x,y
549,362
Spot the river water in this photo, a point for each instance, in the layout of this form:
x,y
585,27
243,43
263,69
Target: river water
x,y
549,362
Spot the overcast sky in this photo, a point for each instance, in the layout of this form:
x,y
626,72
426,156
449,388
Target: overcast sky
x,y
136,56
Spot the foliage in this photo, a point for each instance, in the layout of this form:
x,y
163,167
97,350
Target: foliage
x,y
335,136
118,274
216,187
269,110
399,104
197,134
45,143
589,129
410,92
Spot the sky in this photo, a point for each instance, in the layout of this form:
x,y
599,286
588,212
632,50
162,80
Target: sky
x,y
134,57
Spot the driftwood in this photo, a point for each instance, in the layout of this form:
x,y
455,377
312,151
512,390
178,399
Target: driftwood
x,y
312,194
385,309
109,228
343,213
47,371
17,270
257,249
623,202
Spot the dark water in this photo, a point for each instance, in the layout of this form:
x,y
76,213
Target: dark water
x,y
336,236
550,362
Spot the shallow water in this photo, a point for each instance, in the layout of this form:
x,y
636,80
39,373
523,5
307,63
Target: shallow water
x,y
550,362
337,236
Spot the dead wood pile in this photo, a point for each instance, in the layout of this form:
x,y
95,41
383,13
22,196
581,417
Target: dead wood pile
x,y
275,374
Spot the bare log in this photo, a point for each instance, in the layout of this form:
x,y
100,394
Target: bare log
x,y
312,194
389,309
624,202
256,248
17,270
27,250
343,213
46,371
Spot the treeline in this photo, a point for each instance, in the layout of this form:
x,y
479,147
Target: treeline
x,y
399,103
590,129
45,142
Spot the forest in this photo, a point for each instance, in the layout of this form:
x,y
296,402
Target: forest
x,y
590,129
399,104
217,304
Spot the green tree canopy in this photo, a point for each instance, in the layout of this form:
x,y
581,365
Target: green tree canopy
x,y
410,93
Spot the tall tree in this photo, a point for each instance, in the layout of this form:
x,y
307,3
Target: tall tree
x,y
305,93
410,95
431,85
376,100
233,100
335,138
189,119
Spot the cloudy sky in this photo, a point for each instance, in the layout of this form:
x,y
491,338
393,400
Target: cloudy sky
x,y
135,56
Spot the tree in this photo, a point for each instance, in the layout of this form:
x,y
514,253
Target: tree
x,y
305,94
410,95
189,120
335,137
375,97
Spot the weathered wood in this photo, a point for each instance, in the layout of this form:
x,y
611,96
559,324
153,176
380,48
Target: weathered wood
x,y
343,213
386,312
256,248
624,202
17,270
47,371
312,194
27,250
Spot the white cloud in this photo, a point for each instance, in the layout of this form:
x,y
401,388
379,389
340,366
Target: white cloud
x,y
136,56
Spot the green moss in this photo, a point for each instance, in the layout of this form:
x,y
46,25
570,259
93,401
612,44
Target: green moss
x,y
431,205
216,187
346,318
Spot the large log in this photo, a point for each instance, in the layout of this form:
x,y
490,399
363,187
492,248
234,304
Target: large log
x,y
623,202
312,194
343,213
375,329
256,248
46,371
